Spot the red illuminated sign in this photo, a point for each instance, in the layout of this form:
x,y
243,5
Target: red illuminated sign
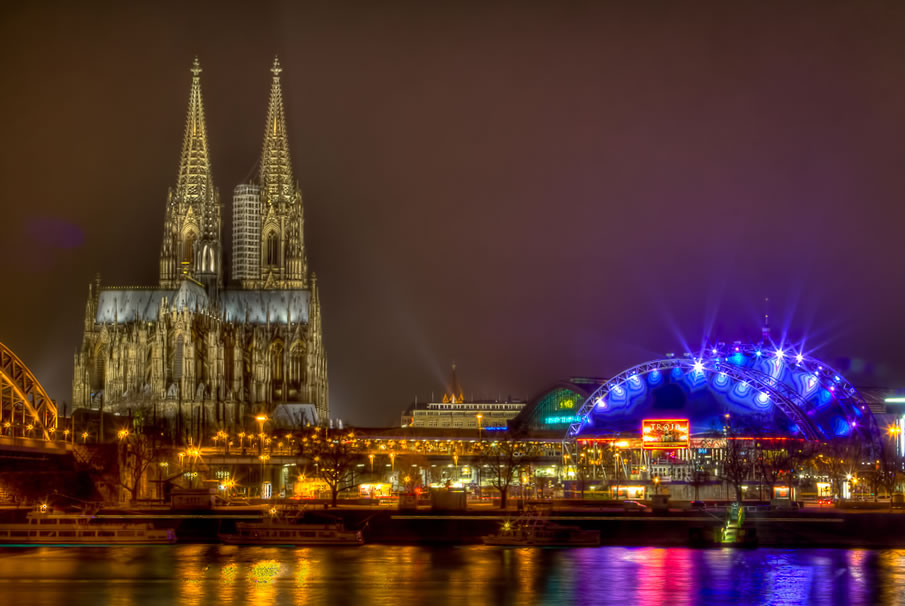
x,y
664,433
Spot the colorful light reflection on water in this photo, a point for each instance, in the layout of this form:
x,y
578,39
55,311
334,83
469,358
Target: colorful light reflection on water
x,y
379,574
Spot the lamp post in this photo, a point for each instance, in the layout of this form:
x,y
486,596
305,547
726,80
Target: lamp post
x,y
479,416
122,434
261,419
264,457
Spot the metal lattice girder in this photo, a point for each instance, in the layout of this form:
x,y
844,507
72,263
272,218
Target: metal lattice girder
x,y
19,387
829,378
783,396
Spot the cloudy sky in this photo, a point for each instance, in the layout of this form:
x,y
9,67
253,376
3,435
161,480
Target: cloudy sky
x,y
534,191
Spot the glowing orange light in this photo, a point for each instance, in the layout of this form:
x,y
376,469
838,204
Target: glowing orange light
x,y
664,434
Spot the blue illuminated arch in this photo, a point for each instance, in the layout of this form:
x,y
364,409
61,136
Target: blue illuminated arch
x,y
784,391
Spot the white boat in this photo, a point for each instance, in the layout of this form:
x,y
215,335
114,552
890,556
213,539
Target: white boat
x,y
537,531
278,530
44,527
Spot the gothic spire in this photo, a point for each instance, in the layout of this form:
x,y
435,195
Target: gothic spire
x,y
194,183
276,168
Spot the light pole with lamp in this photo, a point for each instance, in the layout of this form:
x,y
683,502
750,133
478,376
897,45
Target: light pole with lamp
x,y
479,416
261,419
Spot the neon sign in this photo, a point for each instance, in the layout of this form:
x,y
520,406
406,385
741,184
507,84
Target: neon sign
x,y
560,419
664,434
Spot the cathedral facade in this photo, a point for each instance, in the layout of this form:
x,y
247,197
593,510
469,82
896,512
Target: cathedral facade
x,y
201,348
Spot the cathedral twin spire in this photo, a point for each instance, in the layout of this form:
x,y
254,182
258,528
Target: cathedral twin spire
x,y
195,180
192,232
276,168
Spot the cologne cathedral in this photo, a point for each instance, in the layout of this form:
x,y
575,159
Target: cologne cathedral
x,y
199,349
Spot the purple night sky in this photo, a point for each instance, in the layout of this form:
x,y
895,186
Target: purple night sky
x,y
532,191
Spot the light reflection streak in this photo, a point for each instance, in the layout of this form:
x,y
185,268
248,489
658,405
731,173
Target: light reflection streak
x,y
377,575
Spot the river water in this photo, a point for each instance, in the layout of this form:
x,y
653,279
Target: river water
x,y
196,575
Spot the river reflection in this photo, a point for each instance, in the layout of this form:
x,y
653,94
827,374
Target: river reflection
x,y
377,574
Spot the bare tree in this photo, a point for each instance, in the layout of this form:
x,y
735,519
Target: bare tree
x,y
136,453
838,460
737,465
772,462
504,457
700,476
800,454
335,457
888,468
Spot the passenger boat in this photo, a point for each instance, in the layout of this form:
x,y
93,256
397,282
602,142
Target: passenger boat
x,y
43,527
537,531
282,530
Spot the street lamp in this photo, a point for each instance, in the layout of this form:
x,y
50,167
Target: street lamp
x,y
261,419
479,416
371,459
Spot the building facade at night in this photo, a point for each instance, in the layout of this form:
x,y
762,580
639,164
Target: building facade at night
x,y
202,347
454,411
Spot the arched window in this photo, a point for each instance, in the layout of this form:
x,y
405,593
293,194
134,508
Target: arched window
x,y
228,363
188,251
297,365
276,362
273,249
98,369
176,358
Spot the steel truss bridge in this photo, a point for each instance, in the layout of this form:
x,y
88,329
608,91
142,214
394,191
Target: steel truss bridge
x,y
26,410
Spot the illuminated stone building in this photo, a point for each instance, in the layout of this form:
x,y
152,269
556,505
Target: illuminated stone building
x,y
198,349
455,412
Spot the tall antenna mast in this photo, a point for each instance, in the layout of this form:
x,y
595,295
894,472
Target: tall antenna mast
x,y
765,330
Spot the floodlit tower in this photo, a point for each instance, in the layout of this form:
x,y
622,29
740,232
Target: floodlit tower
x,y
284,263
191,238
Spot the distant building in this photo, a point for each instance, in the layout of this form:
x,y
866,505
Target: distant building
x,y
455,412
198,350
557,406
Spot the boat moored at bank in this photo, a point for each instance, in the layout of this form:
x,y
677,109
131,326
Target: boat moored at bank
x,y
292,529
45,527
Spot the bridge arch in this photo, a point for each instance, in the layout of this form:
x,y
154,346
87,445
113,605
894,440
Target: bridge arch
x,y
22,398
770,391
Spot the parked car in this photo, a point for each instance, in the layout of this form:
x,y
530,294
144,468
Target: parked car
x,y
827,501
698,505
635,506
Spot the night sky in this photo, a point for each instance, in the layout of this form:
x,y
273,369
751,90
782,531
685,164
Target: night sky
x,y
532,191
